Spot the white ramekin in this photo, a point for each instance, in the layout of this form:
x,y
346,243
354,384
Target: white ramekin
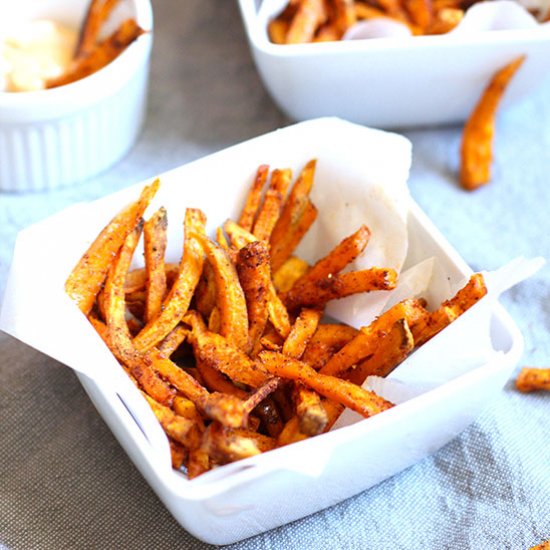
x,y
53,138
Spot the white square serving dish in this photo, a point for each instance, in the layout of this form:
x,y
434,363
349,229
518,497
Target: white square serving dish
x,y
251,496
393,83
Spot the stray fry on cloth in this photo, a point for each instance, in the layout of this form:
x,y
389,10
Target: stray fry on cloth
x,y
229,346
531,379
96,16
477,139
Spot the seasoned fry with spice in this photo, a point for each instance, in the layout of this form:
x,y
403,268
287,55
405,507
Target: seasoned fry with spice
x,y
356,398
477,139
154,248
87,278
177,302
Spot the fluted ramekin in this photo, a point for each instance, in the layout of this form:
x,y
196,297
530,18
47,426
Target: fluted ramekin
x,y
62,136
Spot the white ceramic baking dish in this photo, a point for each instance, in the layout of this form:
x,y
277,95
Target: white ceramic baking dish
x,y
52,138
245,498
390,83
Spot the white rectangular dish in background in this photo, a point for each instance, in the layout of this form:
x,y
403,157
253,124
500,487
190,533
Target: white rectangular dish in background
x,y
251,496
393,83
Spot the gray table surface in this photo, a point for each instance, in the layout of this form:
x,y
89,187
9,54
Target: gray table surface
x,y
66,483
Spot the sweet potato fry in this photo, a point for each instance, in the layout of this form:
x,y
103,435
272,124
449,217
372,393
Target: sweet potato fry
x,y
173,341
215,350
296,217
420,12
215,320
477,138
312,416
277,30
86,279
177,302
310,412
215,380
326,342
365,11
96,16
445,20
318,292
433,323
238,236
198,463
366,341
254,271
345,15
285,277
532,379
222,241
310,14
291,433
269,212
181,429
186,408
224,445
364,402
394,347
118,333
154,245
301,333
327,33
137,278
225,408
230,298
430,325
178,453
105,52
204,299
261,394
253,199
278,314
338,258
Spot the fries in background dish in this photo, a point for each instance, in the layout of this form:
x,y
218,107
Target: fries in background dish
x,y
304,21
229,347
478,134
532,379
92,52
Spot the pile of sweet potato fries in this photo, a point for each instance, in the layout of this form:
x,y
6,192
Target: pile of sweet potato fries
x,y
304,21
230,346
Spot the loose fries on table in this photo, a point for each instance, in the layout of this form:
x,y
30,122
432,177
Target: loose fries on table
x,y
477,138
230,346
532,379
